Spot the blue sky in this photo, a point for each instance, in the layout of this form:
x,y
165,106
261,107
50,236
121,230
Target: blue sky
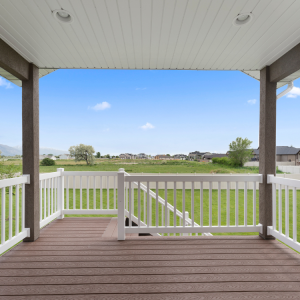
x,y
155,112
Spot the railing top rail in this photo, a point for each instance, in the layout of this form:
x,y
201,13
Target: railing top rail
x,y
89,173
13,181
195,178
284,181
49,175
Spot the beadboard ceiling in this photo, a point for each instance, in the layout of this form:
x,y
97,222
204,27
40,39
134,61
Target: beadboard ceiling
x,y
151,34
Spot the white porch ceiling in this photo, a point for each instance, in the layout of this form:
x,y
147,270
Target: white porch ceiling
x,y
151,34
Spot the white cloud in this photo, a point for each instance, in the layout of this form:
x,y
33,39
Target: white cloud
x,y
105,130
5,83
252,101
294,93
140,89
100,106
147,126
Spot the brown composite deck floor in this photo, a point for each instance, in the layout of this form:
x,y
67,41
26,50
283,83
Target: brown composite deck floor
x,y
80,258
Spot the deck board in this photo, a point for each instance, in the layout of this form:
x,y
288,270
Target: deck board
x,y
80,258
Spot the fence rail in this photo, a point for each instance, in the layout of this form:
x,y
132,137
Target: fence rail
x,y
13,211
284,216
169,224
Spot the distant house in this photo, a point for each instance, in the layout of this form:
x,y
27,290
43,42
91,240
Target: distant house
x,y
284,154
127,156
255,154
163,156
180,156
212,155
142,156
197,155
47,156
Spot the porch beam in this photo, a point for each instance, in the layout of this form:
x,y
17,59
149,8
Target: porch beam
x,y
13,62
267,147
30,136
286,65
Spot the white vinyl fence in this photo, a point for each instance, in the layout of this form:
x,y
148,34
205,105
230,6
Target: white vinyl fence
x,y
96,194
155,204
12,215
290,169
189,225
285,211
51,195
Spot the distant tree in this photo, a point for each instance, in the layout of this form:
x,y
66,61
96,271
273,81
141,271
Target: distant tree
x,y
50,154
239,151
83,152
168,155
47,162
98,155
107,156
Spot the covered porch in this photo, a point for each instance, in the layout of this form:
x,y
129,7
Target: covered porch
x,y
99,257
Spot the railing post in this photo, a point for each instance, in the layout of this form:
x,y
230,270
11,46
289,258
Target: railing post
x,y
60,193
267,148
121,205
30,133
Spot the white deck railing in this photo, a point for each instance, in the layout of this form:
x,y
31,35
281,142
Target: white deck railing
x,y
51,193
285,216
157,204
150,195
188,225
12,215
96,195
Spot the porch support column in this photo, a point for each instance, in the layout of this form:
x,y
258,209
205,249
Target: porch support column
x,y
267,147
30,136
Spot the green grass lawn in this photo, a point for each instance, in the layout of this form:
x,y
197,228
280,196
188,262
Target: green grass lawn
x,y
148,166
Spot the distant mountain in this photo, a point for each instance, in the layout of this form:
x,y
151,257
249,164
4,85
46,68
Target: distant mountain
x,y
11,151
52,151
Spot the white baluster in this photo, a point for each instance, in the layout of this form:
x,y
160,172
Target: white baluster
x,y
245,204
17,210
3,216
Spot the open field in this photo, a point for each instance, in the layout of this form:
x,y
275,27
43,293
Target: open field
x,y
150,166
144,166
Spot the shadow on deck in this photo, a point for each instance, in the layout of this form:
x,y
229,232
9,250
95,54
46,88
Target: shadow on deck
x,y
80,258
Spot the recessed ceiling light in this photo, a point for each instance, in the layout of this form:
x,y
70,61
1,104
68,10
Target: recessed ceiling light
x,y
63,16
242,19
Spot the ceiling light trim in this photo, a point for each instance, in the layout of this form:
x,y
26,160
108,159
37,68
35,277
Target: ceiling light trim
x,y
66,20
240,19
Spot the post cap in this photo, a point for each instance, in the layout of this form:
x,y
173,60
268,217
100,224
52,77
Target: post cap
x,y
121,170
